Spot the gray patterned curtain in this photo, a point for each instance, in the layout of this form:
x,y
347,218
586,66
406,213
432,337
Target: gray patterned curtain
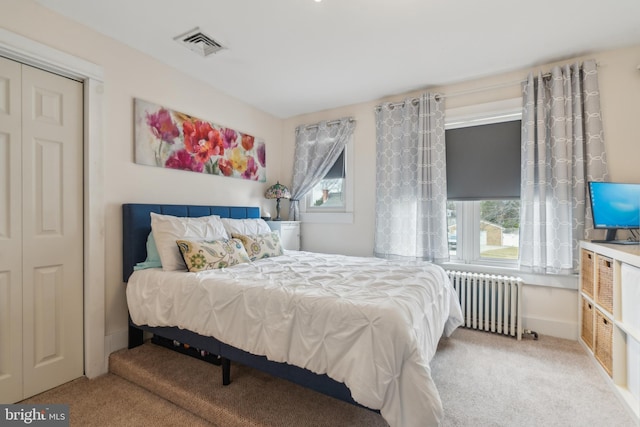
x,y
317,149
562,149
411,180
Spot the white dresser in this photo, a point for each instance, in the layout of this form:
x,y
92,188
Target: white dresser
x,y
610,315
289,233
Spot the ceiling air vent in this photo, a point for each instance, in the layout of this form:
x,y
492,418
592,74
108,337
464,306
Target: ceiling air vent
x,y
199,42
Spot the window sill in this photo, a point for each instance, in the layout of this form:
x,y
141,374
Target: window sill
x,y
327,217
548,280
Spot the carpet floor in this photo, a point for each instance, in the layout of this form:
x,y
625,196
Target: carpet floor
x,y
483,379
252,399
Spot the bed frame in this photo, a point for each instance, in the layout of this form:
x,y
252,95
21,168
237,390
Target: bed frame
x,y
136,226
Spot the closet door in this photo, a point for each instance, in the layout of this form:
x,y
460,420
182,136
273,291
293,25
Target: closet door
x,y
41,231
52,230
10,233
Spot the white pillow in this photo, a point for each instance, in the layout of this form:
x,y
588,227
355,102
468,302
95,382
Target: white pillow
x,y
167,229
247,226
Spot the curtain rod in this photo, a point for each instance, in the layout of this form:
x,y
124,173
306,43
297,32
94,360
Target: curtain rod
x,y
439,96
332,122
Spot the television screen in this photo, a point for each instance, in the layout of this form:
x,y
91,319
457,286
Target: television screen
x,y
615,205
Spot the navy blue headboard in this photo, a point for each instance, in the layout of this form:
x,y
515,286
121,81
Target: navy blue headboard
x,y
136,225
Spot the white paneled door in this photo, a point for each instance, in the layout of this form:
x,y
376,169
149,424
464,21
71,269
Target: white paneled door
x,y
10,232
41,231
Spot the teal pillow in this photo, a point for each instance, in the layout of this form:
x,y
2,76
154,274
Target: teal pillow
x,y
153,257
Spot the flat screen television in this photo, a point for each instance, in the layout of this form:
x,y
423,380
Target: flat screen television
x,y
615,205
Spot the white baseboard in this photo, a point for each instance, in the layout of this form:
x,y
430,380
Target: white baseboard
x,y
554,328
116,341
112,342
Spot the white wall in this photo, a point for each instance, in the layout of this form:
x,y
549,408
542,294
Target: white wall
x,y
548,310
128,74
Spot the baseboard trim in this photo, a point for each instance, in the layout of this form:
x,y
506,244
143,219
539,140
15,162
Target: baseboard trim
x,y
114,342
554,328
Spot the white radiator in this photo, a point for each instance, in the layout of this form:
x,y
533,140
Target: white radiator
x,y
489,302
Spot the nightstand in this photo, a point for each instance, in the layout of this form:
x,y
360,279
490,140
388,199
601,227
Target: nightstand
x,y
289,233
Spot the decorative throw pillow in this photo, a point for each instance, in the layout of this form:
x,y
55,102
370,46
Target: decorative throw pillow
x,y
153,257
247,226
260,246
167,229
210,255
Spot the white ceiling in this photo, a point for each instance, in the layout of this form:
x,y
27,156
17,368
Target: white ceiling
x,y
289,57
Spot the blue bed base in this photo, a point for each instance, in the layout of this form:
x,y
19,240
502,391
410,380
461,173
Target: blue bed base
x,y
136,226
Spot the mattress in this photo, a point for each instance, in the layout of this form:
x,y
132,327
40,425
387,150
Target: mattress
x,y
370,323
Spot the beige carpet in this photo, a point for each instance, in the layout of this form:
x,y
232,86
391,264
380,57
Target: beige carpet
x,y
110,400
484,380
252,399
492,380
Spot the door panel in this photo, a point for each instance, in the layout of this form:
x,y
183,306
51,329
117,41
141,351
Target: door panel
x,y
10,233
48,174
48,289
52,230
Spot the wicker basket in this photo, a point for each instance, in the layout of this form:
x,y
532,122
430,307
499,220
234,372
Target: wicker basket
x,y
586,272
604,341
587,323
604,283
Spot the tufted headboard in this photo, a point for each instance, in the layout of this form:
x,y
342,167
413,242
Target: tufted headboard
x,y
136,225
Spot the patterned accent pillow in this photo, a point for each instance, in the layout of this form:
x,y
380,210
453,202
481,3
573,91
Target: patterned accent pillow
x,y
209,255
260,246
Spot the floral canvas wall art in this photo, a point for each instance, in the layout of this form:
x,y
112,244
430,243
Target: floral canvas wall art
x,y
175,140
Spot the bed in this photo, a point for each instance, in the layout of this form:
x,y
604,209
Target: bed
x,y
362,330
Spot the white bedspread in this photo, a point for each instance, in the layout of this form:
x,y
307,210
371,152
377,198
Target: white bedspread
x,y
369,323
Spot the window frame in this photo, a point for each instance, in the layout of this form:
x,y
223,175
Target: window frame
x,y
343,215
468,246
468,212
309,197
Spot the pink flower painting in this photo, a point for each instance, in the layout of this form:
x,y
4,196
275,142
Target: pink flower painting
x,y
170,139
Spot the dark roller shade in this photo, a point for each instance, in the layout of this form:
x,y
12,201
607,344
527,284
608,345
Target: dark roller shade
x,y
337,170
483,162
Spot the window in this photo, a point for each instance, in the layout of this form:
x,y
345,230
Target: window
x,y
484,231
329,193
331,200
483,184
